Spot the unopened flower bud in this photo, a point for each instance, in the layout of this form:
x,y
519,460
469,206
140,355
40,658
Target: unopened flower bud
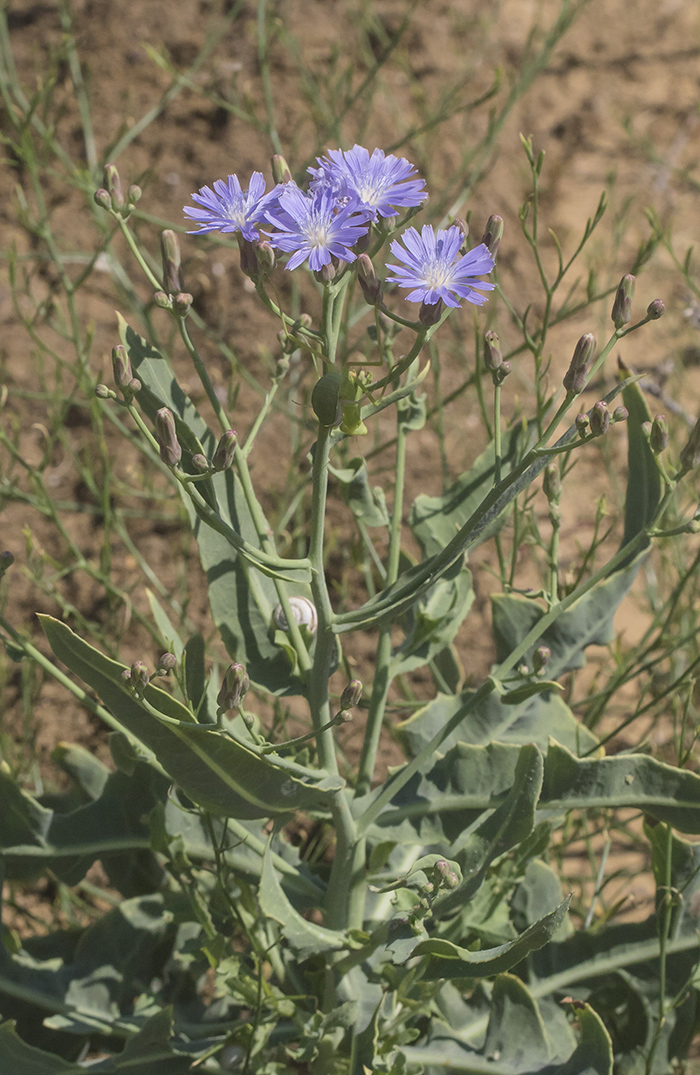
x,y
200,462
493,234
658,435
656,309
582,423
386,224
540,657
326,273
234,688
464,228
343,717
600,419
369,281
265,258
225,451
498,376
690,456
444,875
114,185
493,357
281,367
622,306
552,483
575,376
430,313
182,303
249,257
6,561
303,321
280,169
166,663
126,676
103,392
162,300
121,367
102,198
134,193
166,435
620,414
351,695
140,676
170,256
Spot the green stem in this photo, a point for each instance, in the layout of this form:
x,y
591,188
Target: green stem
x,y
203,375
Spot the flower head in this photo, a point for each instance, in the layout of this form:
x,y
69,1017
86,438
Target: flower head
x,y
314,227
229,208
434,268
381,184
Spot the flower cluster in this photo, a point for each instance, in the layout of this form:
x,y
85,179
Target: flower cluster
x,y
331,222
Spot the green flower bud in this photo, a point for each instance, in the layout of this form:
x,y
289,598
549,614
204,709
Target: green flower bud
x,y
182,303
622,306
103,392
170,256
280,169
582,423
690,456
200,463
343,717
620,414
552,483
266,259
133,194
166,435
369,281
658,435
656,309
140,676
493,358
249,258
121,367
234,688
225,451
430,313
326,274
493,234
113,184
351,695
498,376
575,376
102,198
162,300
166,663
464,228
540,657
600,419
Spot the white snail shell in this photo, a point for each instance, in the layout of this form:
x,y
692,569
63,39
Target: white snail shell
x,y
303,611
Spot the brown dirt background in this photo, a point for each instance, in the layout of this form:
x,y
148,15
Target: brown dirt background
x,y
615,108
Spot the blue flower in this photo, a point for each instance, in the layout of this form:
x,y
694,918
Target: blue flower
x,y
314,226
433,267
381,184
229,208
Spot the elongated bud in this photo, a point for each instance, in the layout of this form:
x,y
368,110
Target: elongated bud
x,y
552,483
690,456
369,281
464,228
493,359
600,419
622,306
133,194
102,198
620,414
114,185
170,255
430,314
656,309
234,688
266,259
658,435
200,462
6,562
351,695
166,435
493,234
583,424
280,169
103,392
162,300
166,663
121,367
225,451
575,376
326,273
140,676
540,657
249,258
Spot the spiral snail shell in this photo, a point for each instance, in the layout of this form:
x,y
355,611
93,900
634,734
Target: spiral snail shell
x,y
303,612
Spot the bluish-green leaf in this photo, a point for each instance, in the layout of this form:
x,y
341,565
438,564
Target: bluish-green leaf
x,y
305,937
643,479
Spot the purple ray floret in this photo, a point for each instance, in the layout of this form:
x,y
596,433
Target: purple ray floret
x,y
229,208
314,227
434,268
380,183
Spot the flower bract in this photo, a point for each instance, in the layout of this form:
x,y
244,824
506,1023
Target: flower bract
x,y
381,184
434,269
315,227
228,208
